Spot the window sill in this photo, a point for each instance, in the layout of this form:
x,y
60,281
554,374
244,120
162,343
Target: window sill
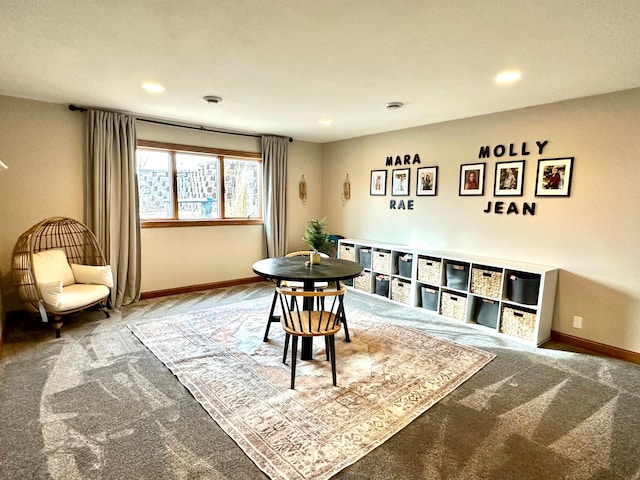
x,y
199,223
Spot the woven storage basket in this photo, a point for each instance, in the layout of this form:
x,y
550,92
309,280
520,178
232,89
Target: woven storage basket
x,y
486,282
453,306
429,270
518,323
381,262
348,252
400,291
363,282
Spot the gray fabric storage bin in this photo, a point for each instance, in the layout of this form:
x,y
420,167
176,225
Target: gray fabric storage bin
x,y
457,275
405,267
382,287
365,257
429,298
487,312
523,287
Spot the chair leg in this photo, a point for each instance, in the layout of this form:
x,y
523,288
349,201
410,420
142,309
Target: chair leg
x,y
326,348
343,316
105,311
332,347
57,324
286,348
294,354
270,319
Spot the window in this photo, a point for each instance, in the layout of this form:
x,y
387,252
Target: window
x,y
182,185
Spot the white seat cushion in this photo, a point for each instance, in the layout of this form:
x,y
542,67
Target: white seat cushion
x,y
52,266
61,299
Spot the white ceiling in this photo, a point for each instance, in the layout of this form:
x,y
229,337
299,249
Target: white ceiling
x,y
281,65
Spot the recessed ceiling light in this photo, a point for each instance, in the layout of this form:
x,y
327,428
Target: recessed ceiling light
x,y
508,76
325,121
153,87
394,105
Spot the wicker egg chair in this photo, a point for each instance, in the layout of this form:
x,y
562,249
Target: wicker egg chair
x,y
81,248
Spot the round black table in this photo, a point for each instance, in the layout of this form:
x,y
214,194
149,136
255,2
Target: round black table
x,y
294,268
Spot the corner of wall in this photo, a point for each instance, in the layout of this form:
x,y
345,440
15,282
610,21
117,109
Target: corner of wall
x,y
2,312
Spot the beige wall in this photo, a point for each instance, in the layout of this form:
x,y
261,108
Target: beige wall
x,y
592,236
43,144
216,254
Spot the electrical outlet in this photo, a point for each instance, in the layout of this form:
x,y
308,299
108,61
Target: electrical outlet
x,y
577,322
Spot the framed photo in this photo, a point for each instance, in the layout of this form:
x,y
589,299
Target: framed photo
x,y
378,182
472,179
554,177
427,181
508,181
400,182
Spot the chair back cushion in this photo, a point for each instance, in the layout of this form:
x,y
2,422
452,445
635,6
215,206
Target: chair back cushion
x,y
52,266
93,274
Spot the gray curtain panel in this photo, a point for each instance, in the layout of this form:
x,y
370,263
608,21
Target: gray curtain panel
x,y
111,194
274,201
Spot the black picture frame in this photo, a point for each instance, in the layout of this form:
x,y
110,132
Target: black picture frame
x,y
509,179
554,177
427,181
472,179
400,182
378,184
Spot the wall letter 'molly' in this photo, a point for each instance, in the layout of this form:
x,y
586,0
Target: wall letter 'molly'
x,y
541,145
485,152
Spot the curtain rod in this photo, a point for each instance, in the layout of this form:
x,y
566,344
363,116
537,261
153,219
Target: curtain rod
x,y
75,108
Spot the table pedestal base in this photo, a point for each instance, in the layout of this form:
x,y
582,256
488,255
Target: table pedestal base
x,y
307,348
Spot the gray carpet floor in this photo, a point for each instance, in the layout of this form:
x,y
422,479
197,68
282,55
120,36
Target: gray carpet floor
x,y
96,404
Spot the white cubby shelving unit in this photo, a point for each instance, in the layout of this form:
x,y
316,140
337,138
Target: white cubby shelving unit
x,y
498,296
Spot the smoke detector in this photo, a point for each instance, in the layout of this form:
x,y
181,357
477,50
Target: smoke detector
x,y
212,99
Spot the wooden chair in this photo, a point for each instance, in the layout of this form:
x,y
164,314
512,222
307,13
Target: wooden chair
x,y
297,322
293,285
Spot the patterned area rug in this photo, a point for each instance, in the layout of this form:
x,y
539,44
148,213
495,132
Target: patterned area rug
x,y
387,376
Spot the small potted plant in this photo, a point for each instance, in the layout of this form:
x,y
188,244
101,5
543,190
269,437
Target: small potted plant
x,y
316,238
